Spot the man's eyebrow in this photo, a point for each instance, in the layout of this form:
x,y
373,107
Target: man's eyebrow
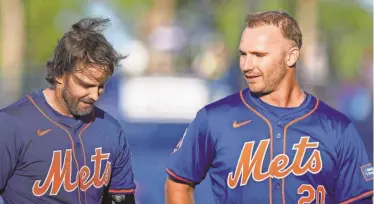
x,y
80,81
259,53
241,51
253,52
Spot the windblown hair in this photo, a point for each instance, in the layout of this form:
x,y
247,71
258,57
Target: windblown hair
x,y
83,43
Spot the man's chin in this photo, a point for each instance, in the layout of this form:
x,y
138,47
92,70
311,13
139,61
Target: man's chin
x,y
82,112
255,89
258,91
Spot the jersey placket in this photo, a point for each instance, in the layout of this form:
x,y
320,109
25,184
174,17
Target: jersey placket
x,y
278,145
79,155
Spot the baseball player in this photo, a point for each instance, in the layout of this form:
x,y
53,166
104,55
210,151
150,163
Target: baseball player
x,y
272,143
55,145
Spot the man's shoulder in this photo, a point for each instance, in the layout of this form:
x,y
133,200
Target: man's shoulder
x,y
223,108
17,113
328,112
21,107
106,119
225,104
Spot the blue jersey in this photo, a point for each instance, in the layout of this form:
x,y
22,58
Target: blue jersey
x,y
50,158
308,154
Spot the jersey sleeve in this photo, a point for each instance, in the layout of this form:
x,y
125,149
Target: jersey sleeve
x,y
193,156
122,180
8,149
355,172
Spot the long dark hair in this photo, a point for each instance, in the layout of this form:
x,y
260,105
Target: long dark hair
x,y
83,43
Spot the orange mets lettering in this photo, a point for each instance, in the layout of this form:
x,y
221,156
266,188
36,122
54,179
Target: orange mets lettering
x,y
61,176
246,165
253,164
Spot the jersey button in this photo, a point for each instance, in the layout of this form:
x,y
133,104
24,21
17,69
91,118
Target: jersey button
x,y
279,123
277,185
278,135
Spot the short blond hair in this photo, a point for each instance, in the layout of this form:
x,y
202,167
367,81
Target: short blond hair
x,y
288,25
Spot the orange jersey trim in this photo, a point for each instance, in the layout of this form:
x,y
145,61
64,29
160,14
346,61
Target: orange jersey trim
x,y
177,177
358,197
67,132
83,151
285,140
271,142
122,190
70,137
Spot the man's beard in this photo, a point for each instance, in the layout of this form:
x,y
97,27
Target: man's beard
x,y
72,104
272,81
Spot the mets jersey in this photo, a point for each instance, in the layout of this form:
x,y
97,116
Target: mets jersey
x,y
254,153
46,157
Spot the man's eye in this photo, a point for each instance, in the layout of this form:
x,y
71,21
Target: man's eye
x,y
87,85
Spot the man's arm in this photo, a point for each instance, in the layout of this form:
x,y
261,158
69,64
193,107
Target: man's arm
x,y
354,181
190,161
8,149
178,193
122,185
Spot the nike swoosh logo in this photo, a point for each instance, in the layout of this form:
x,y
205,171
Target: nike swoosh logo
x,y
236,124
42,132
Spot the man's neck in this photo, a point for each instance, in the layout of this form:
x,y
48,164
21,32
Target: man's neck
x,y
54,99
287,95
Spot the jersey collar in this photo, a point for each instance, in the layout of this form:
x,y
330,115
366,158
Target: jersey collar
x,y
289,113
70,122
